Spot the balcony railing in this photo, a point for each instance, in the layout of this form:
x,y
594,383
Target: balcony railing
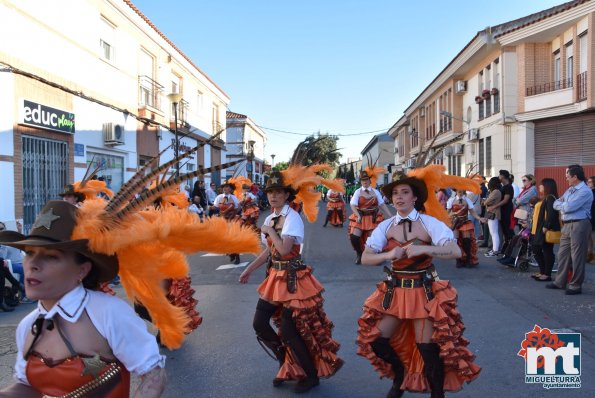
x,y
581,85
149,92
549,87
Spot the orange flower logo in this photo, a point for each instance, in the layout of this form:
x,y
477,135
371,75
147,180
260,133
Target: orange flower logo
x,y
539,338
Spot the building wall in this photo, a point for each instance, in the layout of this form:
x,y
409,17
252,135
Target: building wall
x,y
59,42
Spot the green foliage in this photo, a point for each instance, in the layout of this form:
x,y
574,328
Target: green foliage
x,y
350,177
281,166
317,149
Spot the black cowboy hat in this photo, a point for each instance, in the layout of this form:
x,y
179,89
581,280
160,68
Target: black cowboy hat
x,y
419,187
69,191
53,230
276,181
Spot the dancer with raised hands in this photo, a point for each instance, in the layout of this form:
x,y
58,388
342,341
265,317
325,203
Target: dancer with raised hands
x,y
290,294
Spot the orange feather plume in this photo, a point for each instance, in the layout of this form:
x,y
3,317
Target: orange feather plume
x,y
374,171
238,182
435,178
92,188
304,179
151,246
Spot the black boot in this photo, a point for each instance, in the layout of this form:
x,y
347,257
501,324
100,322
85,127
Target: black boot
x,y
383,350
265,333
329,214
467,250
433,368
341,218
355,243
298,347
236,259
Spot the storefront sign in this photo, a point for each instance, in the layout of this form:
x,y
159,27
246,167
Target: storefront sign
x,y
42,116
79,150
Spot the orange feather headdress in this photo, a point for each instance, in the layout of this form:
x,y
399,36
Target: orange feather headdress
x,y
151,244
303,180
435,178
238,182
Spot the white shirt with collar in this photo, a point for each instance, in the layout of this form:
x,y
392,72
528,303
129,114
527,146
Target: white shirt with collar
x,y
440,234
113,318
231,198
293,225
450,202
355,198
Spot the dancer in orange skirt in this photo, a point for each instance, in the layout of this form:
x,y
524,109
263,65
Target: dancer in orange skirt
x,y
335,209
290,294
249,206
411,330
228,206
460,206
366,204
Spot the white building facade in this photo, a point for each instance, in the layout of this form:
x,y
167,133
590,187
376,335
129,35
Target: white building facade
x,y
87,82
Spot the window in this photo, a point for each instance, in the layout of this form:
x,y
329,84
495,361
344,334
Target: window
x,y
481,158
496,86
481,115
569,64
149,89
216,125
582,43
488,155
199,98
557,70
107,40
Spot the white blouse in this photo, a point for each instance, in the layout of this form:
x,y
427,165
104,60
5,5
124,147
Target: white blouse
x,y
355,198
113,318
293,225
438,231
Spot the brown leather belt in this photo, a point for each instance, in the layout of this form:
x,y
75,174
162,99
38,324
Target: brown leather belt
x,y
291,267
414,279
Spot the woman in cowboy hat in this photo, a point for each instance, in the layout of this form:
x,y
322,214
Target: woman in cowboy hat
x,y
290,294
335,208
228,206
77,339
365,204
410,330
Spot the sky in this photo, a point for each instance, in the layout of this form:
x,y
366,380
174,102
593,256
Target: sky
x,y
335,66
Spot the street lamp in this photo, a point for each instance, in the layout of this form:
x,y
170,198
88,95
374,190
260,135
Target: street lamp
x,y
273,159
175,99
250,158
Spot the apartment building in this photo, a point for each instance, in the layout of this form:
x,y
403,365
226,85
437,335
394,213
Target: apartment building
x,y
518,96
89,82
380,152
245,140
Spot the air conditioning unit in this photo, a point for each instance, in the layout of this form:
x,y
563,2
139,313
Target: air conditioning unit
x,y
113,134
473,135
460,87
448,151
459,149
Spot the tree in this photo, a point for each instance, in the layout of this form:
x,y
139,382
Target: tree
x,y
317,149
281,166
351,175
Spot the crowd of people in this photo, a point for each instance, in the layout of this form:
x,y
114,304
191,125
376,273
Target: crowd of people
x,y
410,329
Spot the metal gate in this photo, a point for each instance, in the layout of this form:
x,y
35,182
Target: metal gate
x,y
45,173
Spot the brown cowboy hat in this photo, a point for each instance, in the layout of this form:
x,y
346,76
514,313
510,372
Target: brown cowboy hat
x,y
229,184
419,187
364,175
69,191
53,229
276,181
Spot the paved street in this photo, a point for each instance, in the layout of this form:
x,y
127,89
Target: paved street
x,y
499,305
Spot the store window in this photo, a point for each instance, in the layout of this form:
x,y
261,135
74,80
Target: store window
x,y
112,168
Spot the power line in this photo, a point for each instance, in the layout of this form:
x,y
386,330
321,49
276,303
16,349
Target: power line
x,y
317,132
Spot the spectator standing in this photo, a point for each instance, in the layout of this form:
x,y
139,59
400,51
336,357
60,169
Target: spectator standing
x,y
546,218
591,183
515,187
528,192
575,206
442,197
211,193
505,206
493,216
485,230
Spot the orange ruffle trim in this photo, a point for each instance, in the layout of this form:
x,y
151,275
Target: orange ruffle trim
x,y
368,222
310,319
409,304
181,295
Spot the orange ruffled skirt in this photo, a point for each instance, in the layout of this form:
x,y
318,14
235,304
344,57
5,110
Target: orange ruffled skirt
x,y
310,319
181,294
409,304
368,224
